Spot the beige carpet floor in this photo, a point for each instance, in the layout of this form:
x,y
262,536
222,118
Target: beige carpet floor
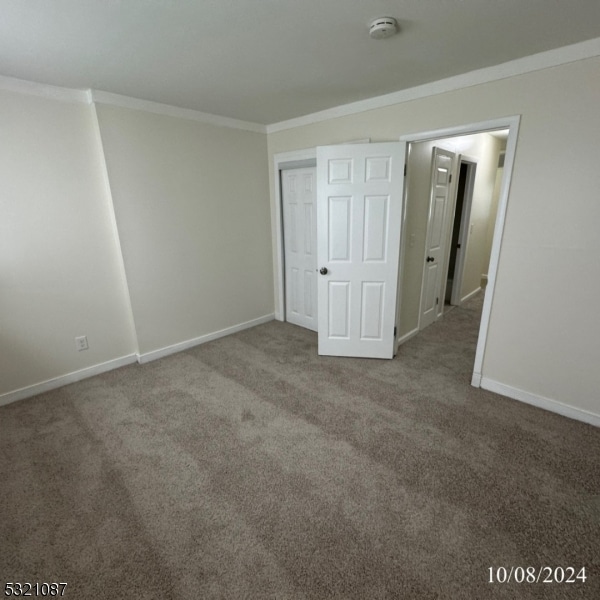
x,y
250,468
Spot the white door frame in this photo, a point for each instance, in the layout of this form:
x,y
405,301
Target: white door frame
x,y
512,124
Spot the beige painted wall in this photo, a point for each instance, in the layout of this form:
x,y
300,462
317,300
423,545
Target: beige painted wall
x,y
493,212
192,208
486,149
540,340
59,267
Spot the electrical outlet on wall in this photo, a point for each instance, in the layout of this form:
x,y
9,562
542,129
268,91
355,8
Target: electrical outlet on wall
x,y
81,343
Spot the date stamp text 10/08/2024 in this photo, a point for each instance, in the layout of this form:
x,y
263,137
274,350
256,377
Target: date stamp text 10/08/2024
x,y
537,575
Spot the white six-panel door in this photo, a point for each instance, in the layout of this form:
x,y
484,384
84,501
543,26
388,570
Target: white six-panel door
x,y
431,292
300,243
359,218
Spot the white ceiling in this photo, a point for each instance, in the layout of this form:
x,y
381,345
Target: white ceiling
x,y
266,61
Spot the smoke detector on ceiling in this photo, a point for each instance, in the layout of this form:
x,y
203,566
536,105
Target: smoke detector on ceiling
x,y
383,27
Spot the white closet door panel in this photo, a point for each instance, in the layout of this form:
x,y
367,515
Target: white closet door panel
x,y
300,245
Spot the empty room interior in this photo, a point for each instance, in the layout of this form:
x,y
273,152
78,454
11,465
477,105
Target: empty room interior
x,y
298,299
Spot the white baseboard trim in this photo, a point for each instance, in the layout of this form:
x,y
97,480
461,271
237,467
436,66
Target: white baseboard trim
x,y
469,296
62,380
407,336
476,380
541,402
173,349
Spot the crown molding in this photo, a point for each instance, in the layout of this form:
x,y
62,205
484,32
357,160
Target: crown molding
x,y
63,94
100,97
528,64
32,88
520,66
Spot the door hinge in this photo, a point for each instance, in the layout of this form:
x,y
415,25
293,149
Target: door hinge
x,y
395,330
450,180
437,301
404,169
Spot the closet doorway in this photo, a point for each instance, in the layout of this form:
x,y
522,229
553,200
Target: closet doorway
x,y
299,202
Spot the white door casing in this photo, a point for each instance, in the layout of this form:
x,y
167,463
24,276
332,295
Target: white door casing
x,y
300,246
359,217
433,270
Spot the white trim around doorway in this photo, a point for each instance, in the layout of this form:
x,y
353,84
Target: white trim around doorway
x,y
512,124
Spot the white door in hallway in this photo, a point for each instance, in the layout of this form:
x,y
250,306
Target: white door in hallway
x,y
431,290
300,244
359,219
